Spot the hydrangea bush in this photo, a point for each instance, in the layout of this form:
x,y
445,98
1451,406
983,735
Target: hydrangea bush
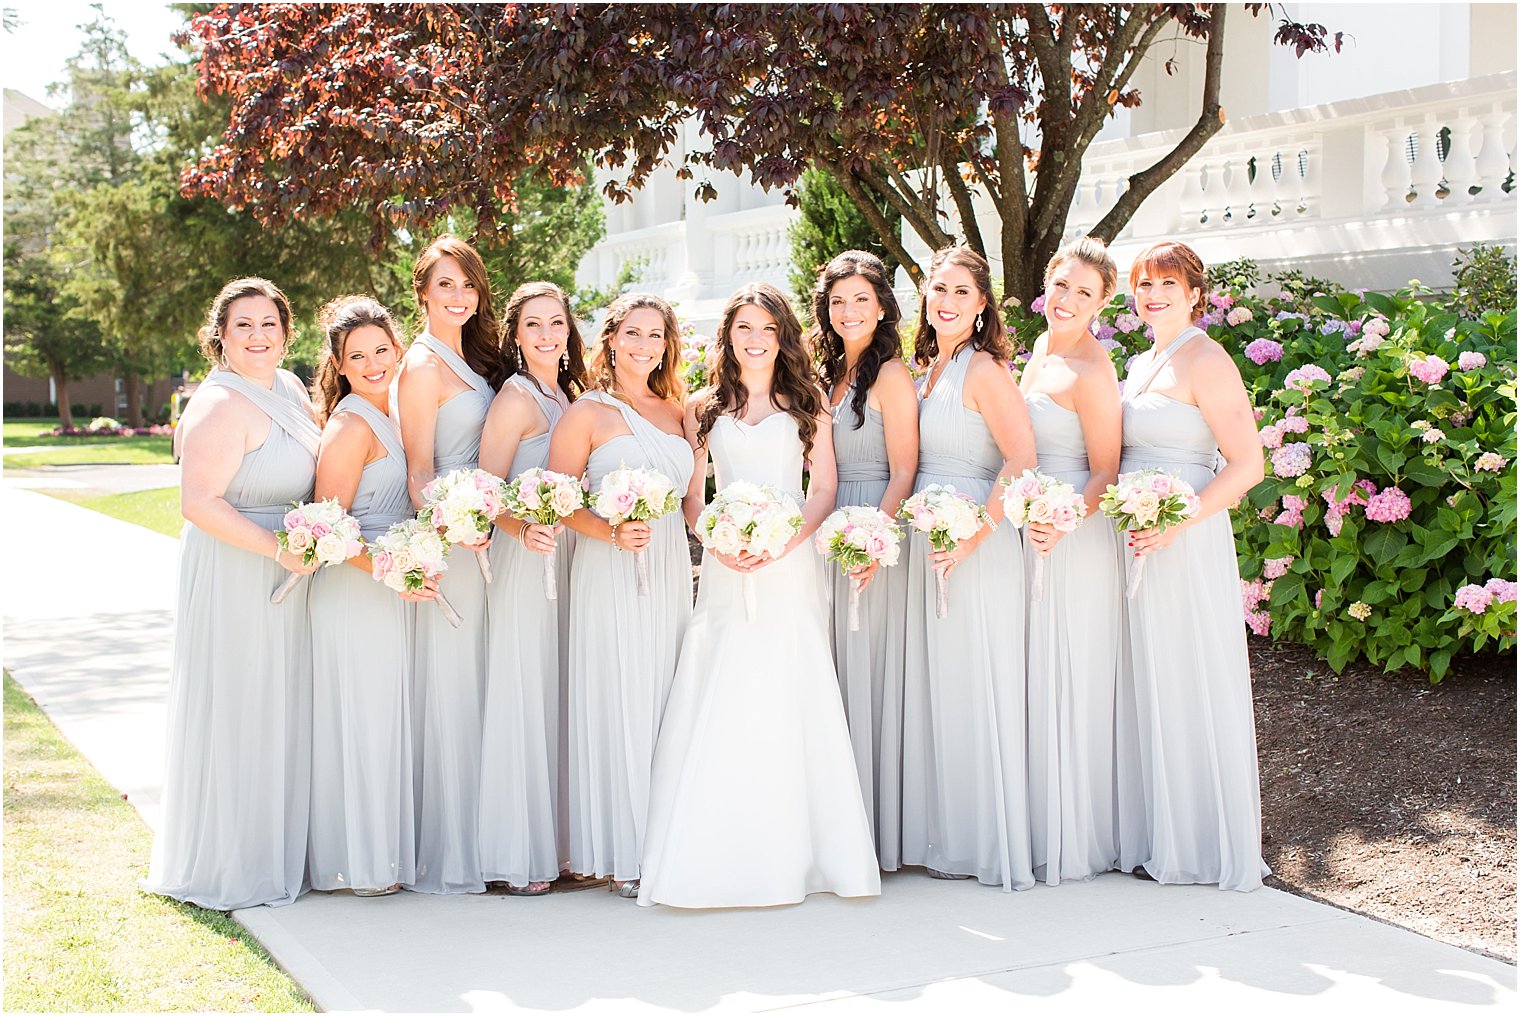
x,y
1385,528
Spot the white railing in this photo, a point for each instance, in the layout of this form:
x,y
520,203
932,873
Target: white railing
x,y
656,251
750,246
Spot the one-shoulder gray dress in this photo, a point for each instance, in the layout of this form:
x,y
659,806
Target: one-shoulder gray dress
x,y
623,651
522,827
870,660
965,783
237,780
449,684
363,832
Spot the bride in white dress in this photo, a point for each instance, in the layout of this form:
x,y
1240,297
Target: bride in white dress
x,y
754,800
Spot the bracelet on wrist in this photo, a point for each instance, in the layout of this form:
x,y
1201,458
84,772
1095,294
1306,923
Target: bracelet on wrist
x,y
616,545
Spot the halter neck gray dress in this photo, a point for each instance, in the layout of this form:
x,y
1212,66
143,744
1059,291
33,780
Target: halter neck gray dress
x,y
238,775
965,807
449,684
870,661
522,825
362,818
623,650
1073,662
1189,799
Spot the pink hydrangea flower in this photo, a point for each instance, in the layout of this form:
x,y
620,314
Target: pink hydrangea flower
x,y
1259,621
1276,567
1334,520
1293,511
1472,598
1127,323
1433,435
1388,505
1360,491
1376,326
1503,590
1491,462
1319,594
1300,378
1292,459
1292,424
1430,370
1263,351
1471,361
1272,435
1223,301
1037,305
1239,316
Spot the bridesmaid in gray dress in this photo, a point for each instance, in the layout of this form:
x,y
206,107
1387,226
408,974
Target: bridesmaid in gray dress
x,y
1072,393
238,774
1189,804
623,645
965,811
448,379
522,826
362,820
875,427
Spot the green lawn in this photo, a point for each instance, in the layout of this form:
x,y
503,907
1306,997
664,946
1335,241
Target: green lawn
x,y
79,935
157,510
144,450
28,434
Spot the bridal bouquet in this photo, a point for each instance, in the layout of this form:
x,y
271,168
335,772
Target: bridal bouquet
x,y
636,495
318,531
460,505
545,497
947,516
1033,496
1148,499
745,516
409,554
856,536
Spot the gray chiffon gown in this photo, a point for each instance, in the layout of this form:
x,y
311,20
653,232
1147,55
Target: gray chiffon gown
x,y
237,778
522,825
870,661
623,651
965,798
449,683
1189,799
363,833
1074,632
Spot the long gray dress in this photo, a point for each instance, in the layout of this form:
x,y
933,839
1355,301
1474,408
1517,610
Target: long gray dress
x,y
521,787
1189,803
238,775
1073,662
623,650
363,833
449,684
870,661
965,807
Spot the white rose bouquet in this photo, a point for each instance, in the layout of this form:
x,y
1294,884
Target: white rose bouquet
x,y
546,498
856,536
947,517
409,554
1033,496
460,506
1148,499
318,531
636,495
745,516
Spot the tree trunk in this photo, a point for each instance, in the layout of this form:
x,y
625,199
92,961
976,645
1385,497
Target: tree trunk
x,y
133,385
61,391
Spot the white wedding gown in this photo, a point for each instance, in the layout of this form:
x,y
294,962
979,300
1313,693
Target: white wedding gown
x,y
755,800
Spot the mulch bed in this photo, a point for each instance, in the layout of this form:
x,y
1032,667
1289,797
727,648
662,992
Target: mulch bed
x,y
1389,796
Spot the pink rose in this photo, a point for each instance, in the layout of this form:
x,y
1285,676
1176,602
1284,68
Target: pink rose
x,y
320,530
1161,484
876,546
295,518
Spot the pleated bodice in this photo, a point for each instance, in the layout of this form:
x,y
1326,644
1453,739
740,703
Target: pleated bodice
x,y
533,452
381,499
1059,443
954,444
456,435
648,447
860,453
1161,432
283,468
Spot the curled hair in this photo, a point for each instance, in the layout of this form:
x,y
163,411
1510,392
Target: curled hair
x,y
1178,260
792,380
1092,252
571,379
828,346
479,341
666,380
990,336
210,333
338,320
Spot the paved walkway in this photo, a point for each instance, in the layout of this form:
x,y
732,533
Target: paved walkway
x,y
87,630
97,478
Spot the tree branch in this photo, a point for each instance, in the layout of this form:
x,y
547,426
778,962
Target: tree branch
x,y
890,239
1008,150
961,195
910,205
1111,78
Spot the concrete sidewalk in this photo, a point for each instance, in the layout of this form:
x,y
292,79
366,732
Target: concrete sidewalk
x,y
87,628
93,478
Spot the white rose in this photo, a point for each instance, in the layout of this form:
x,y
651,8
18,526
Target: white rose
x,y
1040,510
566,499
298,539
332,549
396,580
726,538
403,561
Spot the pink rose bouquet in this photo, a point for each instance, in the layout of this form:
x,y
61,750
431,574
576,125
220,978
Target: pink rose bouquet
x,y
1035,497
1148,499
410,553
636,495
460,506
947,517
318,531
744,517
857,536
544,497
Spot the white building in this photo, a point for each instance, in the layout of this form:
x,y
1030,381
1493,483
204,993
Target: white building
x,y
1360,189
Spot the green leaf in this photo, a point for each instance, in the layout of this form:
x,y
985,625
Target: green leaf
x,y
1382,304
1342,567
1438,545
1383,544
1287,590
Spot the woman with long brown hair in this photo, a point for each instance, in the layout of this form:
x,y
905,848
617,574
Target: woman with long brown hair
x,y
755,801
448,380
363,832
875,426
622,644
522,827
965,812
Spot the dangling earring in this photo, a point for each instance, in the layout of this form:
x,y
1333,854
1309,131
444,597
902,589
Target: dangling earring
x,y
978,322
611,357
564,362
